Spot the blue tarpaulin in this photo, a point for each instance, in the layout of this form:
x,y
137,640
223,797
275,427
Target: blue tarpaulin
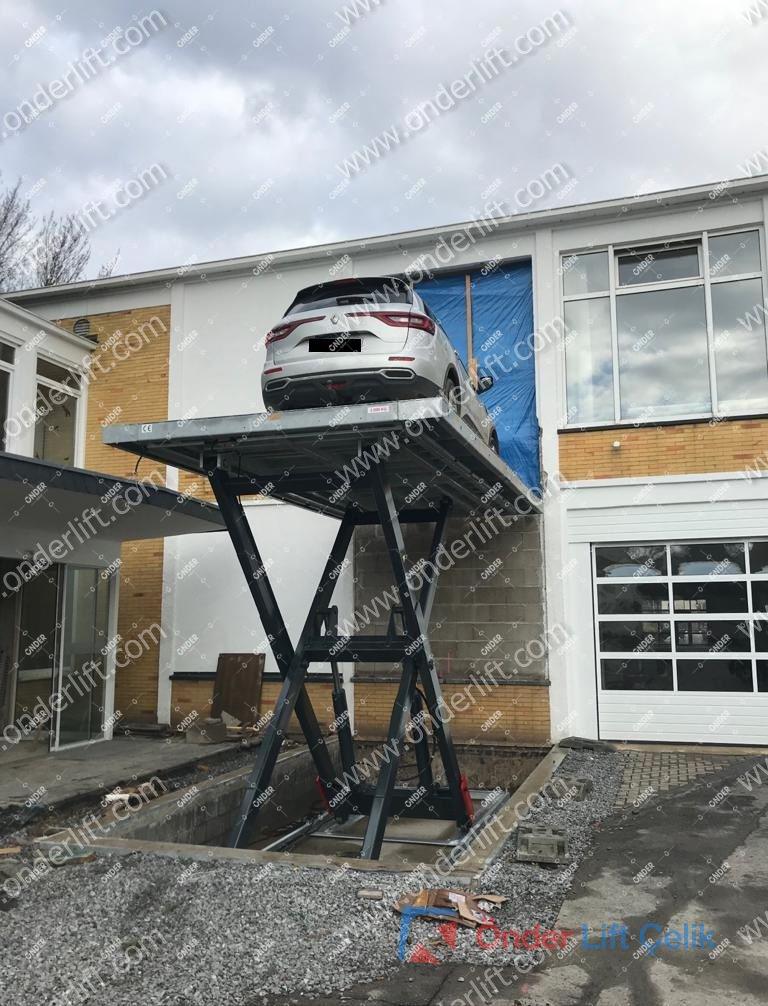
x,y
502,323
446,296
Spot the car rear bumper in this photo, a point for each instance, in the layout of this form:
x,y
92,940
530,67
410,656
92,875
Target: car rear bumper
x,y
345,387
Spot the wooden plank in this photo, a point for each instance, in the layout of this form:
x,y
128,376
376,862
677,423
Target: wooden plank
x,y
237,688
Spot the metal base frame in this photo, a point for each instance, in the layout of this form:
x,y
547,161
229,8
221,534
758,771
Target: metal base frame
x,y
320,642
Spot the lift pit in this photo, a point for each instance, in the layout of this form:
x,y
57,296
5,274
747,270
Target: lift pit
x,y
196,821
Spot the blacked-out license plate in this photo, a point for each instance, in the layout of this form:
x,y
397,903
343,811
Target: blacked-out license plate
x,y
334,345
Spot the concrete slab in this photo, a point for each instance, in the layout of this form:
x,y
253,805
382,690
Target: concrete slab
x,y
93,768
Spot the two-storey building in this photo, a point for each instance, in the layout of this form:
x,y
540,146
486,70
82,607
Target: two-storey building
x,y
627,339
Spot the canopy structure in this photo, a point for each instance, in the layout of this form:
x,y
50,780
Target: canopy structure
x,y
46,502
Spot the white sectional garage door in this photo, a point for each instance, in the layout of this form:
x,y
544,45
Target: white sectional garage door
x,y
681,637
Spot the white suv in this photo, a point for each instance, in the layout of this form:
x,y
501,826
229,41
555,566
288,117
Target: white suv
x,y
367,340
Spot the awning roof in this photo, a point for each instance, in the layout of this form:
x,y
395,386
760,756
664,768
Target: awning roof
x,y
41,501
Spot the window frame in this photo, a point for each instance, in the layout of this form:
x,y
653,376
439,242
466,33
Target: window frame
x,y
75,394
10,369
671,616
615,291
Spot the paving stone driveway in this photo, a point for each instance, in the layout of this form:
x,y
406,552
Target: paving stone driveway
x,y
649,772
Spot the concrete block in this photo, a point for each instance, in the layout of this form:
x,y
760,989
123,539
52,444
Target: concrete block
x,y
578,787
536,843
207,731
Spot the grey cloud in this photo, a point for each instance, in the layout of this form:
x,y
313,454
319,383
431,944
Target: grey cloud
x,y
249,114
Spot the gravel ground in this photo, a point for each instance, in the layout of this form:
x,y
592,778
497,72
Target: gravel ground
x,y
150,930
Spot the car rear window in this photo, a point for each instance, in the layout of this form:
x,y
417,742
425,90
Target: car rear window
x,y
376,292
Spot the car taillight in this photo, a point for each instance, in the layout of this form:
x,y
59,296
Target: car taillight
x,y
282,331
400,319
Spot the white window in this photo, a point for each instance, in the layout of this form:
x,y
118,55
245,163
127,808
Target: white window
x,y
7,359
58,393
682,618
666,331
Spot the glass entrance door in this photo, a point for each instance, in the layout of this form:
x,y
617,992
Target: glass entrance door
x,y
37,608
82,656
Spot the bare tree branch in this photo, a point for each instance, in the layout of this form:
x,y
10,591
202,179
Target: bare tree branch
x,y
16,223
61,250
109,266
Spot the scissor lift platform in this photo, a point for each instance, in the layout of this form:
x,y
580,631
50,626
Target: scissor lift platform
x,y
382,464
305,457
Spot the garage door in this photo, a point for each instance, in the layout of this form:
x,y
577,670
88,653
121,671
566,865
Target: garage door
x,y
681,633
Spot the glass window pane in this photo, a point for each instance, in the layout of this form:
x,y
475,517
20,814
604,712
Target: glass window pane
x,y
663,357
632,598
717,558
714,675
658,265
760,597
762,675
758,556
734,254
713,637
55,426
588,360
637,674
56,373
84,632
37,641
631,560
7,353
715,597
637,637
5,390
739,331
760,628
585,273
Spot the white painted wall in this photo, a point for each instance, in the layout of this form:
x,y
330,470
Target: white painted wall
x,y
208,609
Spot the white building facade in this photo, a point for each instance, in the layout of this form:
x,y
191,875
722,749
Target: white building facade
x,y
651,397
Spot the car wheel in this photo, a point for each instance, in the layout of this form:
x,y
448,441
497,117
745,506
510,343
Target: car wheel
x,y
451,392
493,443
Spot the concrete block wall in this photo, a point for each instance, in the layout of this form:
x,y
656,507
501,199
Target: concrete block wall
x,y
204,814
489,608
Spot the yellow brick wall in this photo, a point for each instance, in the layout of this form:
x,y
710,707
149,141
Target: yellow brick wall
x,y
320,697
189,696
129,383
192,484
729,445
196,485
524,709
524,712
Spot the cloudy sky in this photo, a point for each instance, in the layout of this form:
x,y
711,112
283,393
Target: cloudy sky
x,y
238,116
